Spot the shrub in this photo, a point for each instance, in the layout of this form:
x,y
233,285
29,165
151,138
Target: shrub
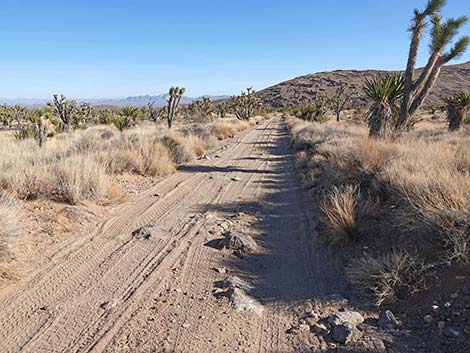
x,y
9,217
388,277
344,211
78,178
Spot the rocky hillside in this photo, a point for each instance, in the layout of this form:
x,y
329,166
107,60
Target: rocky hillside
x,y
453,77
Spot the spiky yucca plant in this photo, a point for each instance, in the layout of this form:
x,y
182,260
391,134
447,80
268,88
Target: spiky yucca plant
x,y
457,106
442,34
127,117
385,91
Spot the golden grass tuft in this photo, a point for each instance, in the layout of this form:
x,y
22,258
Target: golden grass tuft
x,y
344,211
389,277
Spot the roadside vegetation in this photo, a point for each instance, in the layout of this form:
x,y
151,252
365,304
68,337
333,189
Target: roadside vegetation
x,y
394,187
71,153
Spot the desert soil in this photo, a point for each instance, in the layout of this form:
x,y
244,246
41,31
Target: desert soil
x,y
111,291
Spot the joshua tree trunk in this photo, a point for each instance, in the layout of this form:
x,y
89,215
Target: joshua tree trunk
x,y
442,34
381,120
174,97
455,117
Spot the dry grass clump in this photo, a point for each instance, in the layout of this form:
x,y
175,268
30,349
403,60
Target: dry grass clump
x,y
434,178
344,211
388,277
227,128
9,221
181,147
77,178
423,181
9,215
75,167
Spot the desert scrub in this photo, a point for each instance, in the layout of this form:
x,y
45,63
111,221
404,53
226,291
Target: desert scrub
x,y
426,171
344,211
78,178
9,219
388,277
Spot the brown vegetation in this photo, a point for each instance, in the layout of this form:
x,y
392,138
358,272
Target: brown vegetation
x,y
420,184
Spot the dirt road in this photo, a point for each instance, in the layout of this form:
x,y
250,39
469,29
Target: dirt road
x,y
113,292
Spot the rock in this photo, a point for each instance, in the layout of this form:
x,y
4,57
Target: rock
x,y
440,326
337,296
186,325
77,213
240,242
377,344
435,307
224,226
236,282
221,270
295,330
145,232
447,305
428,319
451,332
352,317
109,304
241,301
235,179
346,333
319,329
387,320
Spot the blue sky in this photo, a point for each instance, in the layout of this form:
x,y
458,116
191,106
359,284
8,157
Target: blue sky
x,y
105,49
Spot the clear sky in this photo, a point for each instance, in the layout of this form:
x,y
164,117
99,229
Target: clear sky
x,y
104,48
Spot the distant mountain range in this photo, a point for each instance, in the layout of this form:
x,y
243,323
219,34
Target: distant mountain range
x,y
136,101
452,78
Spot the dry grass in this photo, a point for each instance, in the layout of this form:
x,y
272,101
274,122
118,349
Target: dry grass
x,y
76,167
344,211
389,277
426,172
9,228
9,215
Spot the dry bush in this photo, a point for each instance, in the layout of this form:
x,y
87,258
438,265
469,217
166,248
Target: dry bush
x,y
180,151
389,277
224,130
115,194
73,167
155,159
344,211
78,178
426,171
9,228
9,221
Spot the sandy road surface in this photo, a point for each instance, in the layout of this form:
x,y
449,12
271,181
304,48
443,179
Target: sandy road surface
x,y
112,292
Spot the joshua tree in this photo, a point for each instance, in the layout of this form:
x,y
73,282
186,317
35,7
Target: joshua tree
x,y
127,117
442,34
221,109
39,125
244,105
314,110
65,110
385,92
174,97
457,106
151,112
340,98
201,109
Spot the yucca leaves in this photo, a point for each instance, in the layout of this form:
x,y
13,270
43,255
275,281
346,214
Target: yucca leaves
x,y
458,106
389,87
